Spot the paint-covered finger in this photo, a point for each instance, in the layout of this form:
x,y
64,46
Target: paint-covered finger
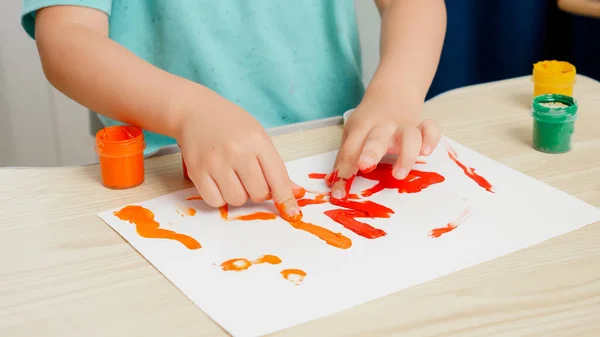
x,y
376,146
408,142
207,188
253,179
231,187
280,184
297,190
431,134
347,166
337,157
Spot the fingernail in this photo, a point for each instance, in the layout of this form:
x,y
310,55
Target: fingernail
x,y
289,213
426,150
400,173
294,213
337,194
366,162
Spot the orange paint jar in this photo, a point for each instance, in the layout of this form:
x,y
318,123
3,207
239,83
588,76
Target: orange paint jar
x,y
553,77
121,153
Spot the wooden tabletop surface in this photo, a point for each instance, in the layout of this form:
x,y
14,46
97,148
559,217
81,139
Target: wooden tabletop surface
x,y
66,273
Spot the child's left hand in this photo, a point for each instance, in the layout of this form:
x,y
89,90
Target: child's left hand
x,y
375,129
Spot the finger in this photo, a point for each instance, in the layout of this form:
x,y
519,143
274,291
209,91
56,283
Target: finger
x,y
208,189
253,180
376,146
347,164
337,158
431,134
280,184
297,190
231,187
407,141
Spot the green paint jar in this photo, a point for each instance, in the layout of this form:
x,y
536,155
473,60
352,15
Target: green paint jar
x,y
554,118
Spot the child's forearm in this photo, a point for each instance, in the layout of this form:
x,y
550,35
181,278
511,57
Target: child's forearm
x,y
83,63
590,8
412,35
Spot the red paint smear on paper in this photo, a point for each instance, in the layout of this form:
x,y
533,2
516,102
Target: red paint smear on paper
x,y
319,199
414,182
334,239
452,225
366,209
147,227
317,175
240,264
469,171
257,216
295,276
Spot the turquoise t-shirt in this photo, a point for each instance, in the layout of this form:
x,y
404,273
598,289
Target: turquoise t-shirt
x,y
283,61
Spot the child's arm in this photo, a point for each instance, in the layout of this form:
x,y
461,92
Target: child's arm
x,y
387,119
412,35
229,162
81,61
590,8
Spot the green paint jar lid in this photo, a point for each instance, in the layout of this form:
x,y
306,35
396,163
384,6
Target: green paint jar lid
x,y
554,108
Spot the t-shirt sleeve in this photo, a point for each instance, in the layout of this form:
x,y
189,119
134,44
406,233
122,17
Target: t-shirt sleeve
x,y
30,8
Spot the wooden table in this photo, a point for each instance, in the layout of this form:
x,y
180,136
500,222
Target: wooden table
x,y
64,272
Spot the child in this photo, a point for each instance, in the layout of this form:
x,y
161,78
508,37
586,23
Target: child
x,y
211,75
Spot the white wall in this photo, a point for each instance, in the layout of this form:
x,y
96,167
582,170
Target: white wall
x,y
41,127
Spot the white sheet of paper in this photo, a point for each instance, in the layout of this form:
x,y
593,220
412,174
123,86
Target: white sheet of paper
x,y
521,212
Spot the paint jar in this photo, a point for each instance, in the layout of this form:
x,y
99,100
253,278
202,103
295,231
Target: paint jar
x,y
554,118
121,153
553,77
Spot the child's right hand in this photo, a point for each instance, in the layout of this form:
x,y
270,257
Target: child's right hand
x,y
230,158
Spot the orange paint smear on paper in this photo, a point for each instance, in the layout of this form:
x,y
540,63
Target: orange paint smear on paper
x,y
317,175
240,264
195,197
257,216
295,276
334,239
224,210
452,225
189,211
147,227
469,171
366,209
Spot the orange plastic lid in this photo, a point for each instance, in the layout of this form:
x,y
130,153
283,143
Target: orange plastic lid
x,y
554,73
120,141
